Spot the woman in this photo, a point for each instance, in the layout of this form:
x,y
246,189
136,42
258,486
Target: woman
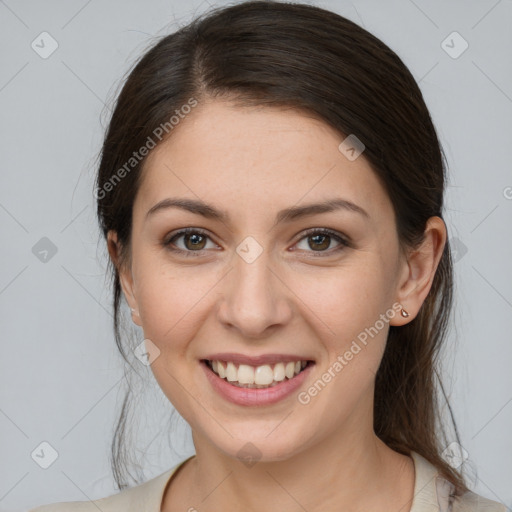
x,y
271,193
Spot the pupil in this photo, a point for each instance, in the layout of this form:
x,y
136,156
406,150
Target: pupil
x,y
194,238
316,237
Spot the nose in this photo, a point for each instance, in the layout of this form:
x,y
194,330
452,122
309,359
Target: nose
x,y
255,298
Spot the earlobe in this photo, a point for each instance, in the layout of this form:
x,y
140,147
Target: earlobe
x,y
419,271
125,277
126,282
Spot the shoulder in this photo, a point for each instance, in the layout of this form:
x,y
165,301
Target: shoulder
x,y
471,502
146,496
434,493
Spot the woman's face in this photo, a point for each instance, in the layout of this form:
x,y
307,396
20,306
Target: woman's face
x,y
255,283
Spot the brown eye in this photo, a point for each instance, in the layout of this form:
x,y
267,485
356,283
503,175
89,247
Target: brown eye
x,y
320,240
194,241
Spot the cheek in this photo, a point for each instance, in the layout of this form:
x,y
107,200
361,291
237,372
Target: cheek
x,y
347,308
345,299
172,300
166,309
172,311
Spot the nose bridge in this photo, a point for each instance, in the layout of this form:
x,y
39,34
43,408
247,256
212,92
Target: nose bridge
x,y
253,299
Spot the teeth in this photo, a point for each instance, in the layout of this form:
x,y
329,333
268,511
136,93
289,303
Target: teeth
x,y
263,375
256,377
289,370
231,372
221,370
279,372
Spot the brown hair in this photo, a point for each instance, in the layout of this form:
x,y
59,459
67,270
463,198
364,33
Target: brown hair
x,y
307,58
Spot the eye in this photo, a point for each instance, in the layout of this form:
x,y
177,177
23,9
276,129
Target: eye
x,y
194,241
320,239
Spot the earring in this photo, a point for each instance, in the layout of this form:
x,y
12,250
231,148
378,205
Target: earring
x,y
134,312
404,313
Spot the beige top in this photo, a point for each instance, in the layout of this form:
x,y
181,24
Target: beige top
x,y
431,494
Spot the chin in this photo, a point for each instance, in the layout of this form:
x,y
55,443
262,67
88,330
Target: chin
x,y
253,445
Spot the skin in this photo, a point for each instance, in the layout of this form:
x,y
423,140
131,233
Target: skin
x,y
294,298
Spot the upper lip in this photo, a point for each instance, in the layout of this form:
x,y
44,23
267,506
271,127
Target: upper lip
x,y
256,360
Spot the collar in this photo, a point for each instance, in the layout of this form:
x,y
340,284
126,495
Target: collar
x,y
427,486
149,495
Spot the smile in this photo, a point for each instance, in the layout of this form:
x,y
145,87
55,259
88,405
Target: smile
x,y
259,377
249,385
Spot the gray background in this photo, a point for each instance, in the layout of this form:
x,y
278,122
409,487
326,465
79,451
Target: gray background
x,y
61,377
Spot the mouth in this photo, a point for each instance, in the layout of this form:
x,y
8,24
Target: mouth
x,y
263,376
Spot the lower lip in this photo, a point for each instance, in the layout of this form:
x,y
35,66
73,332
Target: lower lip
x,y
254,396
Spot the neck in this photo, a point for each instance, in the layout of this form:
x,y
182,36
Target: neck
x,y
356,473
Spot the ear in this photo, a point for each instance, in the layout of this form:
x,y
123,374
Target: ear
x,y
418,270
125,276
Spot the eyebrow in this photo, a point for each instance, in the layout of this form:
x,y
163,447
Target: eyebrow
x,y
288,214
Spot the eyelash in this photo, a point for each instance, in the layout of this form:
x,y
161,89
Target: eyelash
x,y
313,231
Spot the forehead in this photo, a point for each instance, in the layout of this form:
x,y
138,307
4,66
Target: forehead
x,y
265,157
